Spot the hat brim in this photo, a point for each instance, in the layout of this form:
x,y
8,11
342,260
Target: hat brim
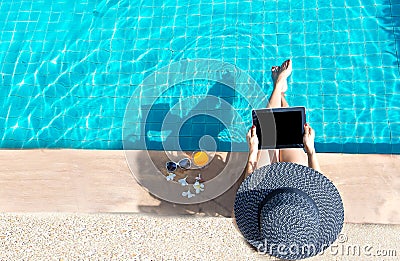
x,y
266,179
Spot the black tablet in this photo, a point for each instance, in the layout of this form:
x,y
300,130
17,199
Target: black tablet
x,y
280,127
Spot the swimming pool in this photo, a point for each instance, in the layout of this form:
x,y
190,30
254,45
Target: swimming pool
x,y
70,68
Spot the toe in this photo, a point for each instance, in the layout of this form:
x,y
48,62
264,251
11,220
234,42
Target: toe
x,y
286,63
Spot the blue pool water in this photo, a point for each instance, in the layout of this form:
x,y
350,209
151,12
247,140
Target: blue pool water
x,y
70,68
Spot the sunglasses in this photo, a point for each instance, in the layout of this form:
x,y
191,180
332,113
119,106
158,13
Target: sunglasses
x,y
183,164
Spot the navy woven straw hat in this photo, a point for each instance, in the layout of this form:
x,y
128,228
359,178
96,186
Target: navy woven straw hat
x,y
289,211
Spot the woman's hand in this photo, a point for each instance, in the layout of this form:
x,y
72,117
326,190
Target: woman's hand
x,y
252,140
308,139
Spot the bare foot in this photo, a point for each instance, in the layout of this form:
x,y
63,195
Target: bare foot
x,y
285,69
275,73
280,75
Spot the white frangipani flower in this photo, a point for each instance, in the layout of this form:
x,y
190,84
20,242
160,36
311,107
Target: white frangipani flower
x,y
188,194
183,181
170,176
198,187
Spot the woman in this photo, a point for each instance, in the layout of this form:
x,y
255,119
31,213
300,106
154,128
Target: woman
x,y
277,99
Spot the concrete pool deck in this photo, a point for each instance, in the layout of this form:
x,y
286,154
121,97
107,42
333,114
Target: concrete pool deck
x,y
55,236
90,181
87,182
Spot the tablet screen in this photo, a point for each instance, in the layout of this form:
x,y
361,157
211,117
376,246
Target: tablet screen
x,y
280,127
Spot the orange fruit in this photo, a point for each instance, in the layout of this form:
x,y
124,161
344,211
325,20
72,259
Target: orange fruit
x,y
200,158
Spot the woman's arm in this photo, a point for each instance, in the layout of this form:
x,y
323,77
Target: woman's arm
x,y
308,140
251,164
252,140
313,161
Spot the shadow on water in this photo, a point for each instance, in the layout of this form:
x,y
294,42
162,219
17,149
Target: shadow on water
x,y
164,130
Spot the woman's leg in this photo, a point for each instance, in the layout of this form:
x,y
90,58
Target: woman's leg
x,y
290,155
279,76
283,101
